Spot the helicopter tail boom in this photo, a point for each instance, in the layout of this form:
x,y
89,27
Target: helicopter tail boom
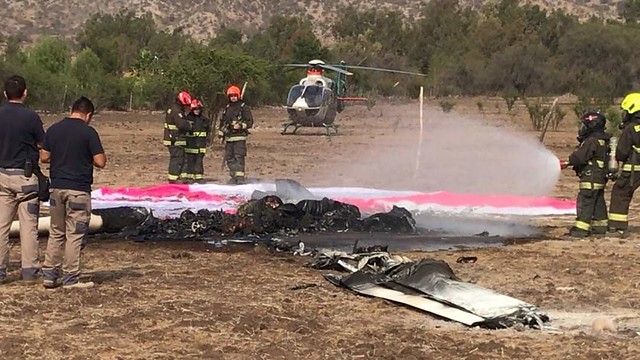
x,y
352,99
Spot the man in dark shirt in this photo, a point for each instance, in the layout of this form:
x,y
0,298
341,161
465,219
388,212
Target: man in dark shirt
x,y
21,134
73,148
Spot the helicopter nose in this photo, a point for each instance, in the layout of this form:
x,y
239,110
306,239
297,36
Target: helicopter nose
x,y
300,104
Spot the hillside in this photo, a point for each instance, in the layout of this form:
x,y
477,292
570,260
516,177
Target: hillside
x,y
202,18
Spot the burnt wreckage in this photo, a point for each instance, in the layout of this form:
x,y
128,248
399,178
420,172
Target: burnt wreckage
x,y
267,215
429,285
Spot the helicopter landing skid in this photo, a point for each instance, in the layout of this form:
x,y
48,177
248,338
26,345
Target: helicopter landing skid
x,y
296,126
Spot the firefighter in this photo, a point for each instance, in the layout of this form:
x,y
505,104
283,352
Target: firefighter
x,y
196,142
236,120
629,176
176,127
589,161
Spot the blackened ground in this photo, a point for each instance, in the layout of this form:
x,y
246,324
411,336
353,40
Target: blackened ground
x,y
344,241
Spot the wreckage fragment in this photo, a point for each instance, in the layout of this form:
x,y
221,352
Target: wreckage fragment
x,y
111,220
270,215
396,220
120,218
265,214
429,285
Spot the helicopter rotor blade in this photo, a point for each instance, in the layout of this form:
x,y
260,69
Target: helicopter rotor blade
x,y
386,70
328,67
336,69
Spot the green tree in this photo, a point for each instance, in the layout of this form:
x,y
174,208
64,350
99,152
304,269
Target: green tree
x,y
556,26
631,11
517,68
584,55
306,48
444,28
443,74
117,39
45,65
386,28
90,76
227,37
207,71
50,54
284,39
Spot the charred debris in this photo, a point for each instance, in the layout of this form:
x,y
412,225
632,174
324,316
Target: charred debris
x,y
429,285
269,215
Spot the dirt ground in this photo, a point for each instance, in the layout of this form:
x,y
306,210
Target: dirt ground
x,y
188,301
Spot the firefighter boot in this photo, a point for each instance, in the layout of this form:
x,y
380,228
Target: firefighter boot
x,y
617,233
578,233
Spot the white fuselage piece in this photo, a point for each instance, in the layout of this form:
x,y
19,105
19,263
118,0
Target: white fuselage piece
x,y
317,80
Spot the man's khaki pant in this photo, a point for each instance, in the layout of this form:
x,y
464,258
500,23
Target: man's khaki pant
x,y
70,214
19,194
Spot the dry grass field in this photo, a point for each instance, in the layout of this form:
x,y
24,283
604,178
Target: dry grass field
x,y
187,300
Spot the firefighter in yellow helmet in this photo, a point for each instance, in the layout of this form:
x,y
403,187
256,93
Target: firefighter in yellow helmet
x,y
235,122
627,153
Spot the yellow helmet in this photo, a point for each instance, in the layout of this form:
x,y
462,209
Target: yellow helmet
x,y
631,103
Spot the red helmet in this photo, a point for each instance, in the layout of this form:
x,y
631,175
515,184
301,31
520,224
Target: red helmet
x,y
233,90
196,104
184,98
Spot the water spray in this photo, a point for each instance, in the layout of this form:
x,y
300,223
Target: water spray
x,y
415,174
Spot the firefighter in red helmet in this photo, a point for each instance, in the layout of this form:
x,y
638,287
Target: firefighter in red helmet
x,y
196,142
176,127
236,120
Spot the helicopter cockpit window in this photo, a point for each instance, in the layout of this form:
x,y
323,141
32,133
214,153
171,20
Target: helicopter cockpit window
x,y
314,95
294,94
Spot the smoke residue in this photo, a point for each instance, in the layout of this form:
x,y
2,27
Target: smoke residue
x,y
459,225
458,154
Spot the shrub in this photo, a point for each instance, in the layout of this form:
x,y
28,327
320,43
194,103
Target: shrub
x,y
447,106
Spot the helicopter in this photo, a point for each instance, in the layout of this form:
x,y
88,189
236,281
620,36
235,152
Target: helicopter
x,y
317,99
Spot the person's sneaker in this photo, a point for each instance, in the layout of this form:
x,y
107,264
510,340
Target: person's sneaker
x,y
79,285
